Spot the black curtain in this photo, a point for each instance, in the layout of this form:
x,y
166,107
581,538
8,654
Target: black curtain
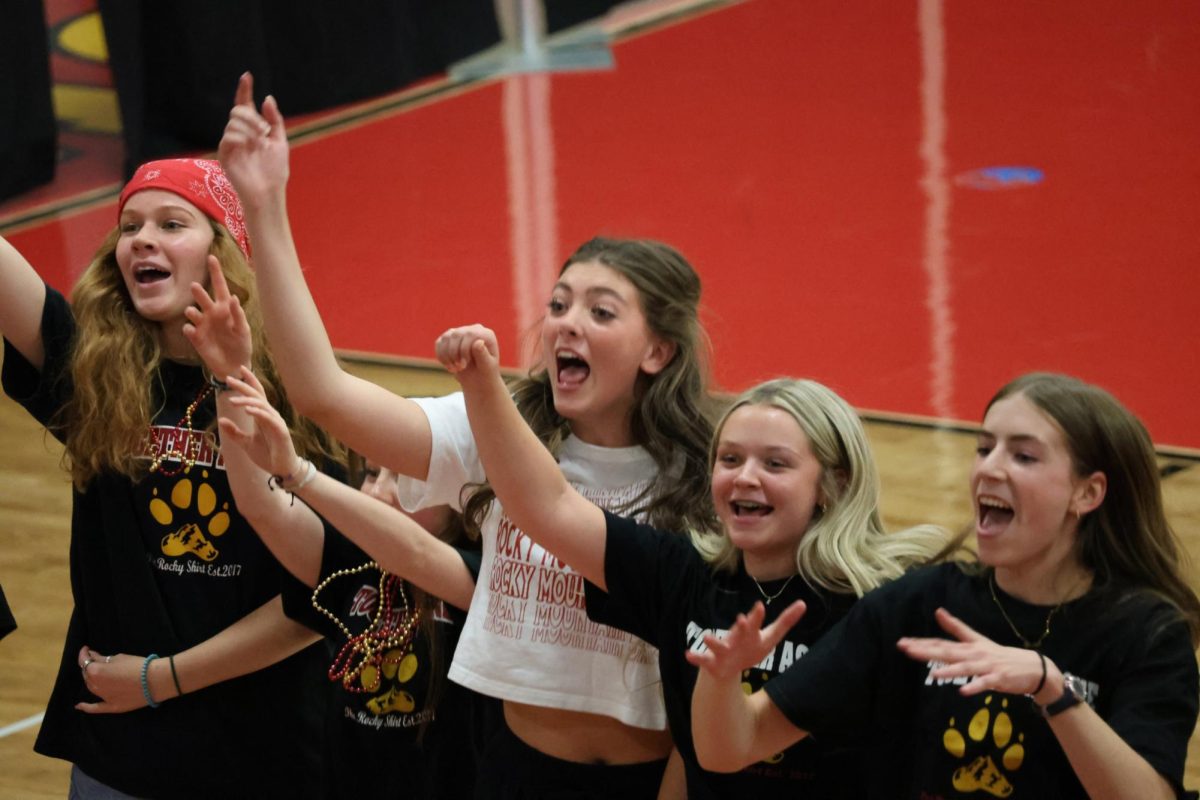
x,y
28,138
176,64
565,13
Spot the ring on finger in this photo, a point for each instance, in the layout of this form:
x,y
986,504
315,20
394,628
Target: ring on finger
x,y
87,662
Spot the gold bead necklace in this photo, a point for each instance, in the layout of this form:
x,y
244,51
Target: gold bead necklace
x,y
381,637
192,443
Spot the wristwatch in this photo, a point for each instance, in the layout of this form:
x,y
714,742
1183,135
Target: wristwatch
x,y
1074,693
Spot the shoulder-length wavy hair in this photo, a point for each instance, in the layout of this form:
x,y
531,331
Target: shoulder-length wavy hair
x,y
114,365
672,413
1126,541
845,549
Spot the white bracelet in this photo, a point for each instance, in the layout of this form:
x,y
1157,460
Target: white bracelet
x,y
308,476
290,483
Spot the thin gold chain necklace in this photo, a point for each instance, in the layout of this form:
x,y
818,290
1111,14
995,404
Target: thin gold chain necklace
x,y
1034,645
769,597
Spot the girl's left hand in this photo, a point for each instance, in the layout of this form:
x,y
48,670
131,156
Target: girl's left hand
x,y
469,350
746,643
269,442
217,326
991,667
115,679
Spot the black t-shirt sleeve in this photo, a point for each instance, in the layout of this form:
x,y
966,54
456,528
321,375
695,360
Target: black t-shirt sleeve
x,y
830,687
8,624
338,553
473,559
43,392
646,571
1154,706
853,677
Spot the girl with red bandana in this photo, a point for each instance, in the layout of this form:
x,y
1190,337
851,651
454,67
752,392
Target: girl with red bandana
x,y
162,564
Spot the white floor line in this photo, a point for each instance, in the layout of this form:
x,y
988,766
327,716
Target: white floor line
x,y
17,727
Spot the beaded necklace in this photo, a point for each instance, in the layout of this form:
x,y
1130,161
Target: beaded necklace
x,y
370,648
193,441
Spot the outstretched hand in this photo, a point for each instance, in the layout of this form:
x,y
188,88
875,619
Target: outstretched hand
x,y
991,667
217,325
269,443
747,642
115,679
254,148
470,352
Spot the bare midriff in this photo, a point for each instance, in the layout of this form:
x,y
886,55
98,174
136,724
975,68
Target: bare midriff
x,y
584,738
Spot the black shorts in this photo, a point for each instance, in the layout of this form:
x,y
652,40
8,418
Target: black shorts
x,y
512,770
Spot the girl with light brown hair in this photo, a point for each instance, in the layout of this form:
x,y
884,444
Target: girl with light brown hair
x,y
162,564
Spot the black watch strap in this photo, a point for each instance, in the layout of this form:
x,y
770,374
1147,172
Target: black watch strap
x,y
1071,697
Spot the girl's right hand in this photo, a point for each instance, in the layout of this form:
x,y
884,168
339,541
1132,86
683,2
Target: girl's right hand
x,y
254,148
747,642
217,325
469,351
269,444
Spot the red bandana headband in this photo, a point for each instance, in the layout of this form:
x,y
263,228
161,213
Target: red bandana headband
x,y
202,183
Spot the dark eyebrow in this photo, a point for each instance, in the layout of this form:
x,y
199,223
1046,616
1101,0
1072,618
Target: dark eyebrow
x,y
1019,438
593,291
603,291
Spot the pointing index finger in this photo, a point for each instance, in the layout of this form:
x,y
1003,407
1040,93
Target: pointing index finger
x,y
245,90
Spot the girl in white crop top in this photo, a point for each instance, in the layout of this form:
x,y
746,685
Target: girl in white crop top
x,y
619,397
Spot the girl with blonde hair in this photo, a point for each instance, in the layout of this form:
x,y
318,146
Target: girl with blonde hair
x,y
796,493
1060,665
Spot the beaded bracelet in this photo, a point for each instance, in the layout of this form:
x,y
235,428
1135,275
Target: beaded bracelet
x,y
175,676
146,684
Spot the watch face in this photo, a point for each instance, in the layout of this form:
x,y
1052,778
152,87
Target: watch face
x,y
1075,685
1074,693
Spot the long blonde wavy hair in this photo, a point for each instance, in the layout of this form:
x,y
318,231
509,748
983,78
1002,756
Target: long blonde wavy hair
x,y
845,548
114,362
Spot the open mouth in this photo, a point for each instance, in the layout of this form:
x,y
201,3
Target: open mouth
x,y
749,508
572,370
993,513
150,274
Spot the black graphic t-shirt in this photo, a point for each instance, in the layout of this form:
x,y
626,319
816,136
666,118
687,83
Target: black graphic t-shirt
x,y
931,742
7,623
661,590
157,566
404,728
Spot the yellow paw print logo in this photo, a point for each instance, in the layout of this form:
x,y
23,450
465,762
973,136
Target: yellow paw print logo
x,y
188,537
395,699
992,727
750,688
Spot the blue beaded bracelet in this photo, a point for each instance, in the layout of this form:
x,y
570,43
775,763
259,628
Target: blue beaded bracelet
x,y
145,684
